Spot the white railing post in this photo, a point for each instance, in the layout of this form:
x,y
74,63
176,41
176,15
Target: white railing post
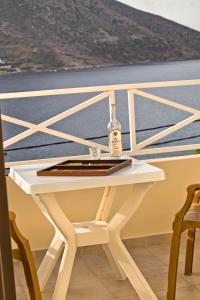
x,y
132,126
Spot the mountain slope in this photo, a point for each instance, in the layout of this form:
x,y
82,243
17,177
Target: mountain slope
x,y
56,34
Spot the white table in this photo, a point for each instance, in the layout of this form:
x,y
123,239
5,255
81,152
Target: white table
x,y
100,231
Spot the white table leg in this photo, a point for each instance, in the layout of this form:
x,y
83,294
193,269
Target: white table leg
x,y
66,231
118,250
50,259
114,262
106,203
64,273
129,267
103,215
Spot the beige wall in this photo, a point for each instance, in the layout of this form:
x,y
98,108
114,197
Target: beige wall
x,y
155,215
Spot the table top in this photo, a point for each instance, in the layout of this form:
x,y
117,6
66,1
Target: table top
x,y
25,176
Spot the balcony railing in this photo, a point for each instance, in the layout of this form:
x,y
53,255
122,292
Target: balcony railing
x,y
105,92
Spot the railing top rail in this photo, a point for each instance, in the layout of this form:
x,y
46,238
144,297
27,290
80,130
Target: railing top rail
x,y
54,92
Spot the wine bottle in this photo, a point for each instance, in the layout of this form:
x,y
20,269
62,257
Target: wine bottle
x,y
114,134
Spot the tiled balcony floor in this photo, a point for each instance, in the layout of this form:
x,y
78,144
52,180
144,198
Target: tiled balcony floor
x,y
93,279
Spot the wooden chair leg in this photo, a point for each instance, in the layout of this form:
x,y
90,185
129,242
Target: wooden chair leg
x,y
189,251
24,254
173,262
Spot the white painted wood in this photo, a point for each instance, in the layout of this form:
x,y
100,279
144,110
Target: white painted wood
x,y
91,233
75,109
114,263
131,270
60,159
168,149
106,203
74,235
17,121
66,229
116,225
118,250
57,217
64,273
50,259
59,221
173,159
107,91
18,95
43,126
129,207
168,131
132,127
73,138
45,160
166,102
27,179
103,214
35,128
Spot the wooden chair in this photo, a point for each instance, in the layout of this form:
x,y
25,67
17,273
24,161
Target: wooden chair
x,y
188,218
24,254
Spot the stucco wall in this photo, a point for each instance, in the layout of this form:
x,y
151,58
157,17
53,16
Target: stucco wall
x,y
155,215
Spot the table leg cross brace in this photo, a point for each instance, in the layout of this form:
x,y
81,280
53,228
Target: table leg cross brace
x,y
66,235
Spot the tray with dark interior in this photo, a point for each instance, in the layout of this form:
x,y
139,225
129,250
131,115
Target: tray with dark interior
x,y
85,167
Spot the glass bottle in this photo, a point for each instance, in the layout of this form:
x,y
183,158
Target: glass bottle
x,y
114,134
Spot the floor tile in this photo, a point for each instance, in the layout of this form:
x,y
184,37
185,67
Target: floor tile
x,y
93,279
161,295
128,298
98,265
186,293
145,259
159,282
193,279
85,285
118,288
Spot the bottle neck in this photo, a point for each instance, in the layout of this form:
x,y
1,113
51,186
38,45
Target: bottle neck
x,y
113,113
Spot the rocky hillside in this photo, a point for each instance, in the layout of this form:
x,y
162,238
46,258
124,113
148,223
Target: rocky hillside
x,y
60,34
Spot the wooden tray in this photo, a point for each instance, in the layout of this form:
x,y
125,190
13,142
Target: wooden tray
x,y
85,167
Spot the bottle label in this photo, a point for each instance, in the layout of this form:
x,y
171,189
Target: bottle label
x,y
115,143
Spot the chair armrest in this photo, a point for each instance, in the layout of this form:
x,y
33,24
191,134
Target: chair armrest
x,y
191,190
